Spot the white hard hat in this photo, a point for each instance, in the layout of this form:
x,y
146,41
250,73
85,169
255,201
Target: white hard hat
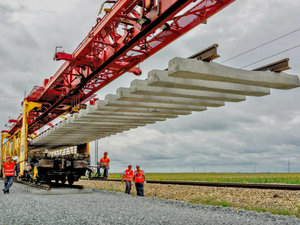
x,y
15,158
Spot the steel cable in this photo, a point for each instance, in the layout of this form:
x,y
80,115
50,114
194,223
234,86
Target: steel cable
x,y
296,46
250,50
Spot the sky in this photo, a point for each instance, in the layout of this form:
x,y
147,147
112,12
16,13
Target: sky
x,y
261,134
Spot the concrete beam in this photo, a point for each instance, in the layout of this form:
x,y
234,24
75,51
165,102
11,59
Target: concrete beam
x,y
140,87
124,95
131,114
86,115
97,119
197,69
160,78
102,106
111,100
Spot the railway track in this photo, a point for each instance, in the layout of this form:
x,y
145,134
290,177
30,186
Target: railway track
x,y
49,186
216,184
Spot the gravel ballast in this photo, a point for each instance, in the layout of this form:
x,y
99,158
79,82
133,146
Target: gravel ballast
x,y
276,201
107,207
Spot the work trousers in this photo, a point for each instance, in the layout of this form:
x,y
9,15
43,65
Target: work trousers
x,y
8,181
105,168
128,187
98,171
139,189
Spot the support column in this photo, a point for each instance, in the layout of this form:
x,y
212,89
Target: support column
x,y
2,150
27,107
14,146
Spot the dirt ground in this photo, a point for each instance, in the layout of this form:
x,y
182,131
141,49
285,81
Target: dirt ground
x,y
275,201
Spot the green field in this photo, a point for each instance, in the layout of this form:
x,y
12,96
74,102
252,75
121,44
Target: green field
x,y
279,178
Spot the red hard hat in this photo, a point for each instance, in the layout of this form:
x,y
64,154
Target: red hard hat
x,y
8,156
129,165
105,153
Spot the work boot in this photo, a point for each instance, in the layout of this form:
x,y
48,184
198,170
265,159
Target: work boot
x,y
4,191
7,191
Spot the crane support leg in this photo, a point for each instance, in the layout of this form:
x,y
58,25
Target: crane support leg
x,y
3,150
27,107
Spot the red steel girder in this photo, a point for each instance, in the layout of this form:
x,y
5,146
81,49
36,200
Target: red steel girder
x,y
125,37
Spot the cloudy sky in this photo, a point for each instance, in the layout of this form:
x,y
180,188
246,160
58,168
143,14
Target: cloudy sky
x,y
260,134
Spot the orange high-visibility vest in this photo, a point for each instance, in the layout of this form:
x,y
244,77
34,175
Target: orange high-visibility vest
x,y
128,175
9,169
105,161
139,177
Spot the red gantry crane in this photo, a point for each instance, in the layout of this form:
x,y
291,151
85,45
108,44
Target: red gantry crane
x,y
128,33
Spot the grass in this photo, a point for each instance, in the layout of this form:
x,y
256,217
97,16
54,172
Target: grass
x,y
281,178
214,202
211,201
277,211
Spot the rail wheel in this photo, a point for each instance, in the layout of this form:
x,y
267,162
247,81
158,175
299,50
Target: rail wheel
x,y
71,179
48,180
63,180
36,181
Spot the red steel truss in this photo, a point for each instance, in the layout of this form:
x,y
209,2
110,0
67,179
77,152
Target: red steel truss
x,y
130,32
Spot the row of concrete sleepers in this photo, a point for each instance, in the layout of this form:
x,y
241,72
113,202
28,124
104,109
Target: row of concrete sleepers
x,y
188,85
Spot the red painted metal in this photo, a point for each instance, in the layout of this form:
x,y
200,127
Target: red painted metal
x,y
127,35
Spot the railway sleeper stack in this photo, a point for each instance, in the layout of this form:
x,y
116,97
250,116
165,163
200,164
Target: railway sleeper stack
x,y
188,85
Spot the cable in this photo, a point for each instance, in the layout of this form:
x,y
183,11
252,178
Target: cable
x,y
296,46
243,53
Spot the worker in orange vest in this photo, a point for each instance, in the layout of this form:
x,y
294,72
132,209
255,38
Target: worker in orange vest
x,y
139,179
104,164
9,172
128,177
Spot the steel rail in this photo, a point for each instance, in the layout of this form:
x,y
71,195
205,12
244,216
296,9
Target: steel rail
x,y
293,187
39,186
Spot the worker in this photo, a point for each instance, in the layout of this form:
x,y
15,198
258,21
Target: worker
x,y
104,163
128,177
9,172
139,179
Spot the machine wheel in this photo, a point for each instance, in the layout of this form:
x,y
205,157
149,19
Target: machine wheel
x,y
71,179
48,180
36,181
63,180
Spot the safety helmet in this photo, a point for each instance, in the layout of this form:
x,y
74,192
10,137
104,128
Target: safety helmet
x,y
7,157
129,165
105,153
138,165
